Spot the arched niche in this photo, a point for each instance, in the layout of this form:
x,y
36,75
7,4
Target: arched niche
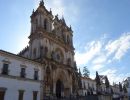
x,y
46,24
59,56
34,53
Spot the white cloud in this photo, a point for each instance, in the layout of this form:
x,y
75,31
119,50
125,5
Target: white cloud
x,y
57,6
98,54
109,71
89,54
100,59
111,74
23,42
114,76
119,47
109,61
98,62
97,67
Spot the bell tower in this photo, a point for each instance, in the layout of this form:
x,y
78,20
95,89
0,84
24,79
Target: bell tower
x,y
41,24
41,19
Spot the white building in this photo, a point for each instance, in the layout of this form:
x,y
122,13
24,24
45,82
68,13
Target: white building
x,y
88,86
20,78
116,91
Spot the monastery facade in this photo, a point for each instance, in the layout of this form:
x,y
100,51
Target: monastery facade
x,y
49,56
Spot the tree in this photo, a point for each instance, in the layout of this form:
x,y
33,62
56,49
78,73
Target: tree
x,y
79,79
127,83
98,82
124,88
120,87
80,73
75,66
112,91
107,82
86,72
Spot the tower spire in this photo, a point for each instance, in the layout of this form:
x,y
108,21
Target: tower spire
x,y
63,20
33,11
41,3
50,11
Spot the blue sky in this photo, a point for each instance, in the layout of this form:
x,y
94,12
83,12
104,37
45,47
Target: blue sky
x,y
101,31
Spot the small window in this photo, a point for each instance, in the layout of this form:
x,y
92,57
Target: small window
x,y
2,93
5,69
21,94
22,74
35,95
36,75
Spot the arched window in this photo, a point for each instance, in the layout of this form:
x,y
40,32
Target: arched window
x,y
36,22
69,61
53,55
45,24
34,53
48,71
41,52
58,57
68,39
46,51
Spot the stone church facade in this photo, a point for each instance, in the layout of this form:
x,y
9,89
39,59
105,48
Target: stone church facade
x,y
51,44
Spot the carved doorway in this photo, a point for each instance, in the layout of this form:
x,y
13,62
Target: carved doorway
x,y
59,88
